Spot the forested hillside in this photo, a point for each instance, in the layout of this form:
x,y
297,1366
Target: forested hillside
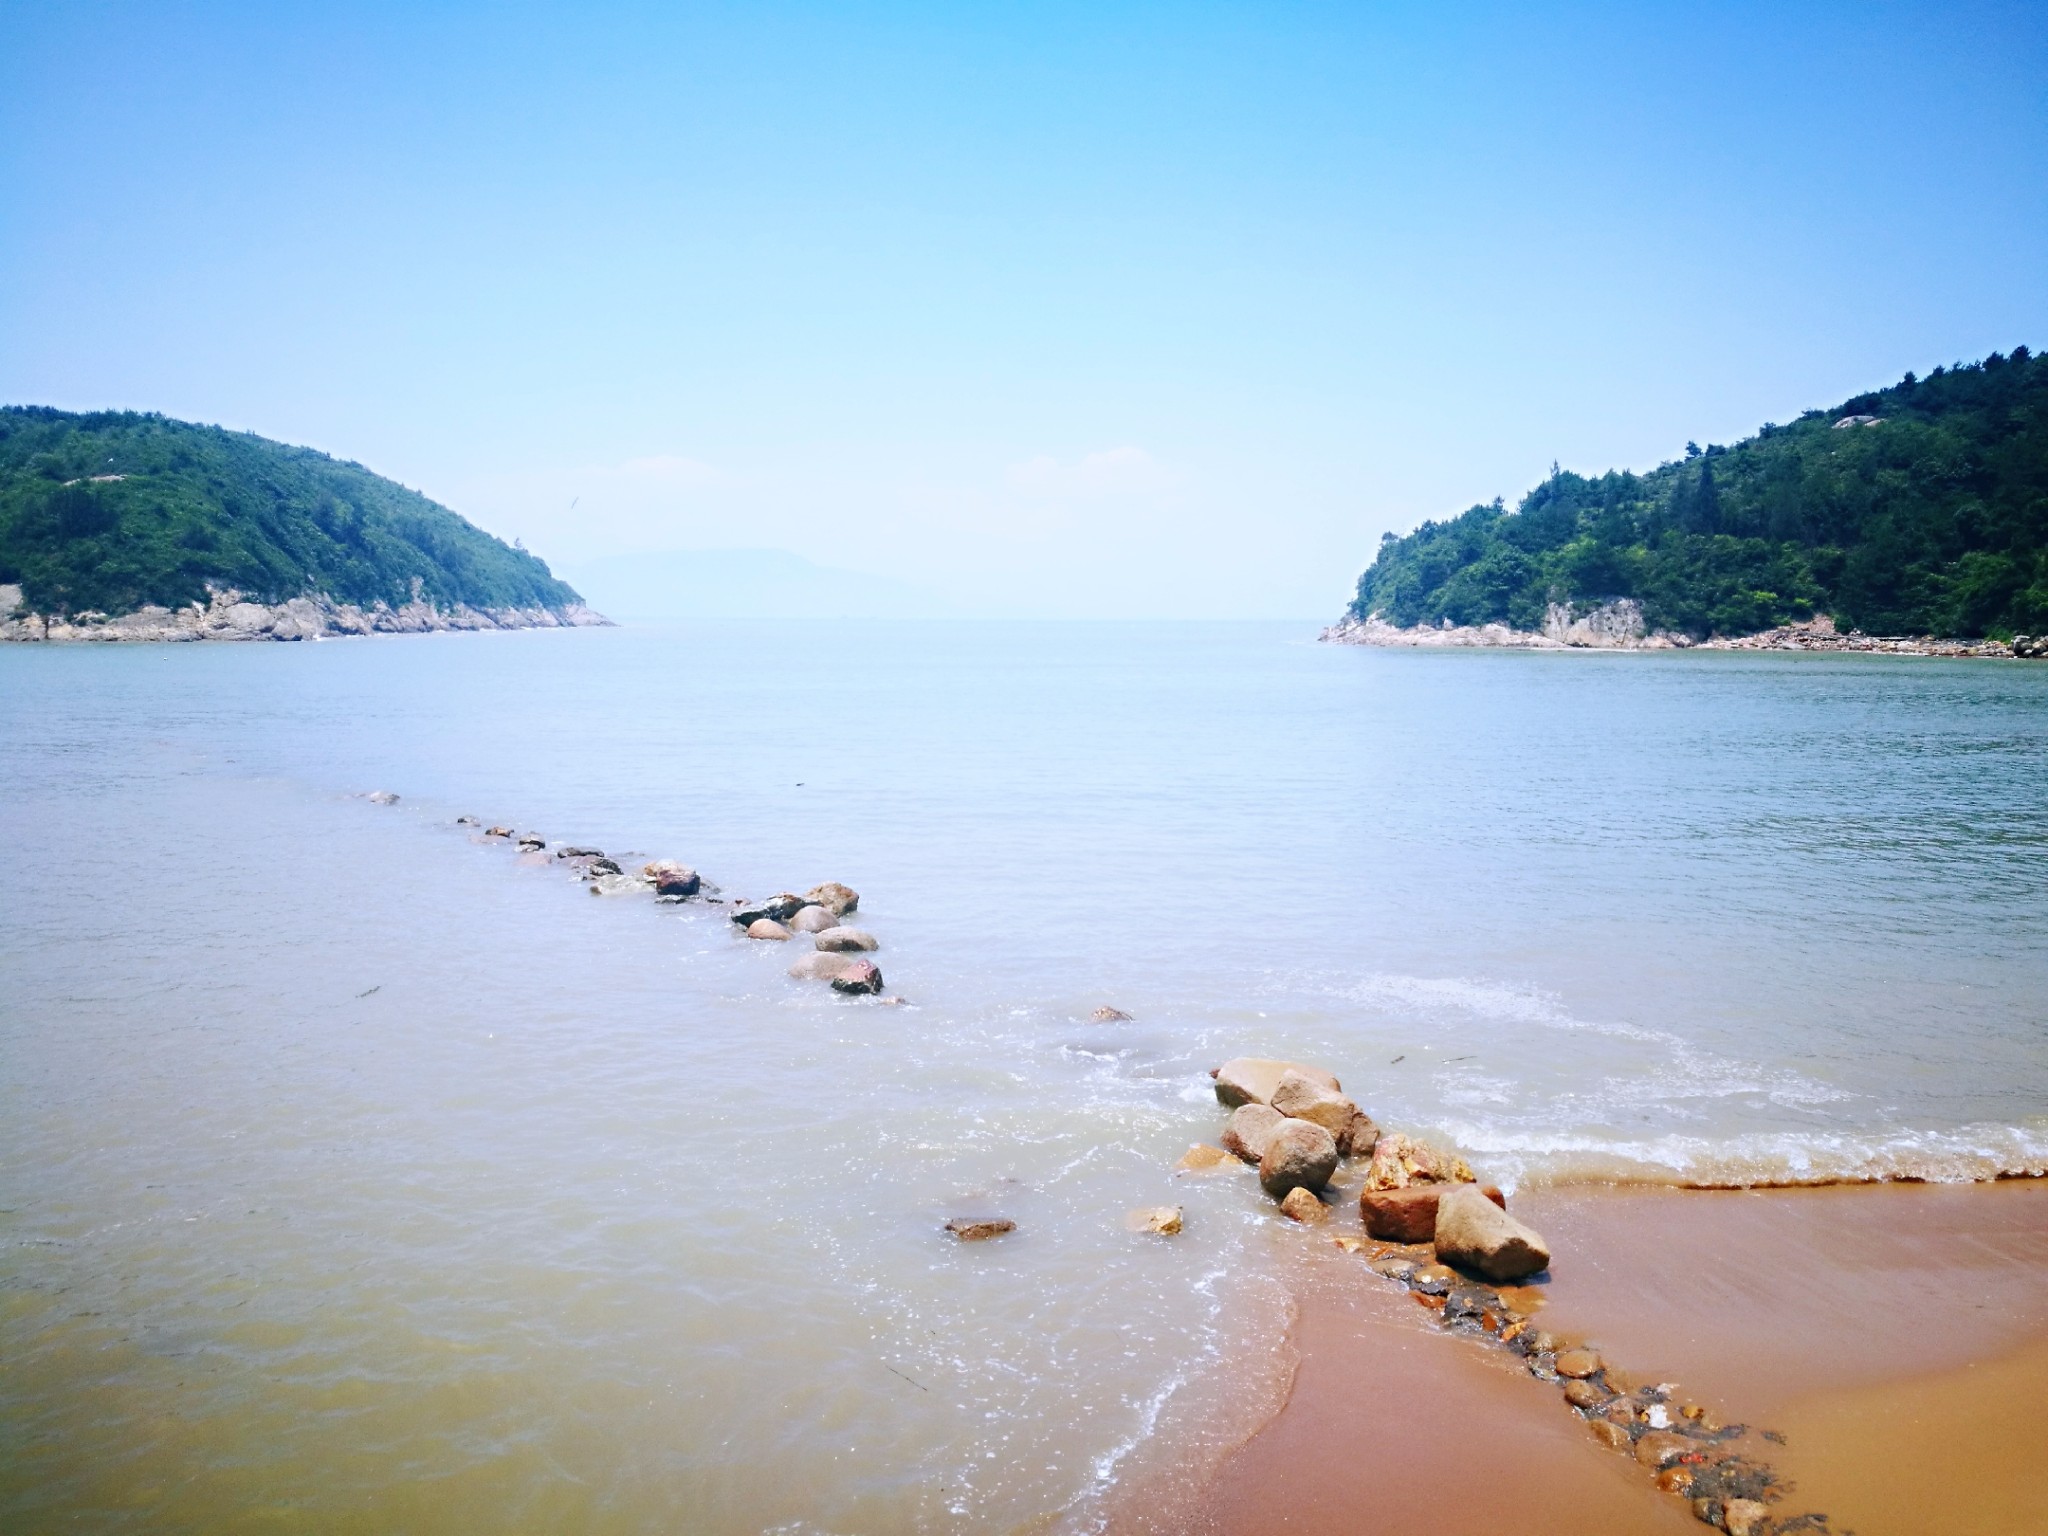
x,y
113,510
1918,509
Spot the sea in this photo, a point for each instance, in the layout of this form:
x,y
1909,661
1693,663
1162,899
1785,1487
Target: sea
x,y
361,1174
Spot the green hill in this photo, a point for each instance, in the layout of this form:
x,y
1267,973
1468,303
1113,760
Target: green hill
x,y
1928,517
112,510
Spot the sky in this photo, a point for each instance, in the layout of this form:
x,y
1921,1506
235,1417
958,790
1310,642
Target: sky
x,y
1052,310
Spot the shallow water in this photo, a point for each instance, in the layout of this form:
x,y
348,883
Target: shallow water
x,y
359,1175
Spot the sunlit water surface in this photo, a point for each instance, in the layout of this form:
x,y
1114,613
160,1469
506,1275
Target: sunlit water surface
x,y
359,1175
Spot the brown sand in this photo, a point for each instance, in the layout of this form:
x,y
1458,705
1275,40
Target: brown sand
x,y
1897,1336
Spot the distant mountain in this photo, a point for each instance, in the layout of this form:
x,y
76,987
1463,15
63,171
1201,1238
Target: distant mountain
x,y
112,511
1918,509
746,584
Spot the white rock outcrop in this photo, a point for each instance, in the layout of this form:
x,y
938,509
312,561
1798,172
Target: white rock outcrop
x,y
227,615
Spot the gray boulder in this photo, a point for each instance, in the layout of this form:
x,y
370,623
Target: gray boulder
x,y
777,909
1475,1234
671,879
1299,1155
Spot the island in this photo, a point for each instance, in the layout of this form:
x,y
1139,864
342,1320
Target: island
x,y
122,525
1910,518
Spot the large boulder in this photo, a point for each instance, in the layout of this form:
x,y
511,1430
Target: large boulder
x,y
673,879
1359,1137
1408,1215
1300,1097
860,978
1249,1128
834,897
1474,1233
777,909
1252,1079
846,939
813,919
766,928
815,967
1299,1155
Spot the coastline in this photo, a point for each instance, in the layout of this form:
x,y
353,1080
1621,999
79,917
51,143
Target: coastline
x,y
1619,626
228,616
1891,1338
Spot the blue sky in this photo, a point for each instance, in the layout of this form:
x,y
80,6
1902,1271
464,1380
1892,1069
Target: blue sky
x,y
1120,310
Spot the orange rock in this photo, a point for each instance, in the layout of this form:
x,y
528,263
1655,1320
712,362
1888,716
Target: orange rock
x,y
1613,1436
1407,1214
1660,1447
1583,1394
1301,1205
1578,1363
1675,1479
1203,1158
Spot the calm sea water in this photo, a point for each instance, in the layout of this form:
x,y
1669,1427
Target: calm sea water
x,y
356,1175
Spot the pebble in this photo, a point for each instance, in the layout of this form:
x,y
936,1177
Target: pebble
x,y
1583,1394
1578,1364
1613,1436
1301,1205
1743,1517
1433,1279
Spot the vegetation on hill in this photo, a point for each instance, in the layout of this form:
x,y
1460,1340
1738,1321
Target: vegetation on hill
x,y
113,510
1929,516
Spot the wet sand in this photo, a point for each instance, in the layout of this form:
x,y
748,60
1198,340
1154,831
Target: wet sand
x,y
1896,1336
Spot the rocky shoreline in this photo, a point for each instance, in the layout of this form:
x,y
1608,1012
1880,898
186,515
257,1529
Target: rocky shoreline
x,y
1619,626
228,615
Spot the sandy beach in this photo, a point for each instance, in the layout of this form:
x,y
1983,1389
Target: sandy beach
x,y
1887,1334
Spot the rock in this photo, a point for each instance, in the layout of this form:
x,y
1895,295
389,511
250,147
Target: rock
x,y
616,885
860,978
467,821
1300,1205
671,879
602,866
777,909
766,928
1581,1394
1249,1128
1578,1364
1203,1158
1394,1269
1432,1279
531,844
816,967
1252,1079
1398,1161
579,853
1474,1232
1744,1517
1162,1219
1299,1155
1108,1015
497,832
1303,1098
1408,1215
381,797
1674,1480
1359,1137
833,897
1660,1447
846,939
976,1229
1613,1436
1619,1410
813,919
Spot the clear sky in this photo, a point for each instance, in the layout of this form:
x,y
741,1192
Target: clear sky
x,y
1062,309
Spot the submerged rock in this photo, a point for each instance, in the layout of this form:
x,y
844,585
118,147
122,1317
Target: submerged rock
x,y
579,853
1252,1079
860,978
976,1229
813,919
497,832
531,844
766,928
1203,1158
381,797
1162,1219
616,884
602,866
1299,1204
1408,1215
1299,1155
1108,1015
1473,1232
467,821
846,939
834,897
819,967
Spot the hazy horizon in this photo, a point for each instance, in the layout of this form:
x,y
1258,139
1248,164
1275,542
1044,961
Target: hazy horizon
x,y
1138,312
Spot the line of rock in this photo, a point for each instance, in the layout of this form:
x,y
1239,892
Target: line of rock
x,y
228,615
1619,626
